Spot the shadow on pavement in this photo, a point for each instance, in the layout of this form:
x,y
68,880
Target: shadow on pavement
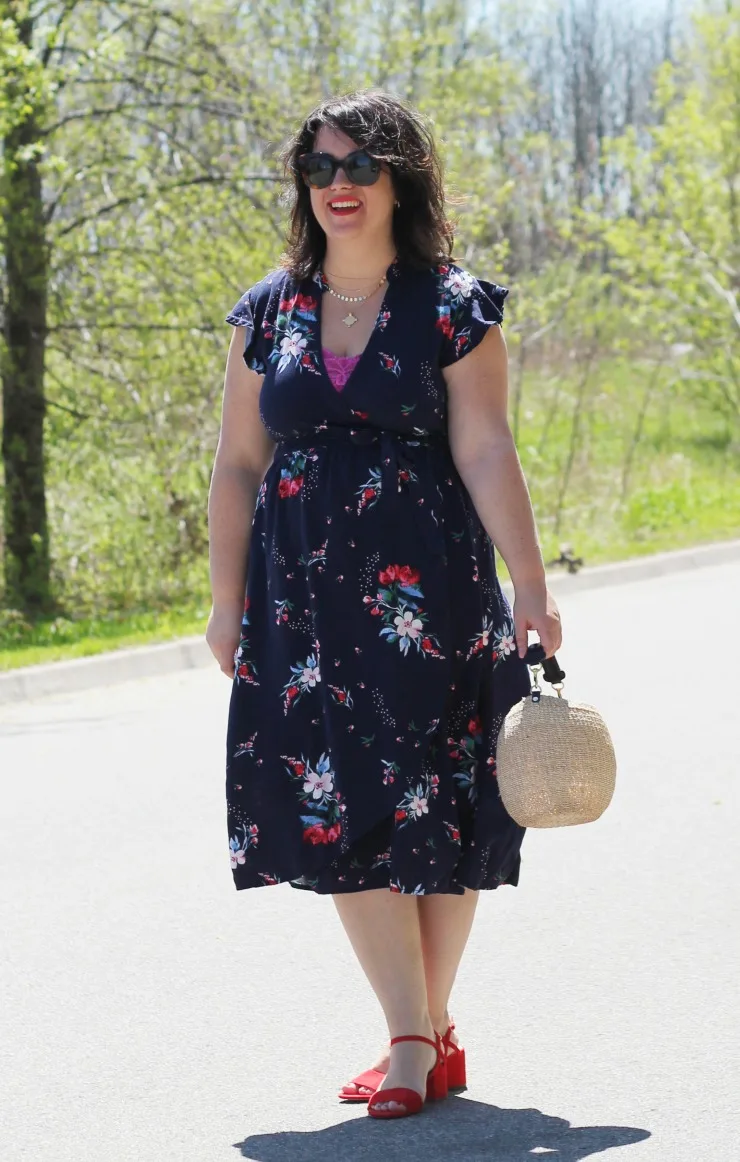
x,y
467,1131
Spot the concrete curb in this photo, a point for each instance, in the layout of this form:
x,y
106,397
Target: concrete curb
x,y
190,652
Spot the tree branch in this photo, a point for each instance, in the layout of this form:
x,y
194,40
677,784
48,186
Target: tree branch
x,y
206,179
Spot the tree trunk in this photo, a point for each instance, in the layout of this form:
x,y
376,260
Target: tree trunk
x,y
26,550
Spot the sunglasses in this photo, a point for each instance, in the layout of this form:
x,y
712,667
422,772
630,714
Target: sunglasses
x,y
320,169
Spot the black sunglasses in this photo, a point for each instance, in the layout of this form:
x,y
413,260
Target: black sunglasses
x,y
320,169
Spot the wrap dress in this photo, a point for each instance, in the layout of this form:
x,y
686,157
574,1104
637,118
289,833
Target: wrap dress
x,y
377,657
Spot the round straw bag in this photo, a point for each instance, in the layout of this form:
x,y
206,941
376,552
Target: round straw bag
x,y
555,758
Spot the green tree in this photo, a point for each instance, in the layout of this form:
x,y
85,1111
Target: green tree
x,y
677,252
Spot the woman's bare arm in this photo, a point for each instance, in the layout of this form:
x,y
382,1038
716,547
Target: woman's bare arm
x,y
243,456
485,455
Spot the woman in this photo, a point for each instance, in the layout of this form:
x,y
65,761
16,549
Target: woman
x,y
375,657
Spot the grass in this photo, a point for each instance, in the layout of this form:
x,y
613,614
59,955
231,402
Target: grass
x,y
60,639
676,487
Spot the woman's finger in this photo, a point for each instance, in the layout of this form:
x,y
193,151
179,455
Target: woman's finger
x,y
521,626
551,638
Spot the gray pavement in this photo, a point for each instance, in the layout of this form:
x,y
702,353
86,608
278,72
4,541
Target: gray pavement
x,y
151,1013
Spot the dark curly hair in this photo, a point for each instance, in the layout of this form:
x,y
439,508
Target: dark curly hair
x,y
396,134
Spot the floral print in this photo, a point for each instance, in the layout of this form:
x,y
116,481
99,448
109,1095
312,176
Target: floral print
x,y
390,363
245,669
292,329
464,754
305,678
239,844
321,810
377,656
292,474
398,604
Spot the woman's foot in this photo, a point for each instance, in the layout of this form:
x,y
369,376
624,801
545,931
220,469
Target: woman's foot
x,y
356,1091
409,1065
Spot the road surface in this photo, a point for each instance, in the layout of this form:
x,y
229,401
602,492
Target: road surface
x,y
151,1013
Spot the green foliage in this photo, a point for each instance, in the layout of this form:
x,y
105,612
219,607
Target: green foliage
x,y
675,256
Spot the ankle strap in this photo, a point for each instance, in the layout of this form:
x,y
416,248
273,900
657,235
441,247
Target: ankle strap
x,y
413,1037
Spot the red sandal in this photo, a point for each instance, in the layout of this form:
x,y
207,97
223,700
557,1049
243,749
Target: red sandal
x,y
412,1101
370,1079
456,1072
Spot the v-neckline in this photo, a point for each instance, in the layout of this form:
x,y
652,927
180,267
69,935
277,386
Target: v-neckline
x,y
391,274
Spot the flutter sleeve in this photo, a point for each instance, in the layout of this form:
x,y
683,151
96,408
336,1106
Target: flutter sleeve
x,y
466,308
247,313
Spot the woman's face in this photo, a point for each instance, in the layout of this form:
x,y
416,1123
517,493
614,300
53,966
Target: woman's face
x,y
344,210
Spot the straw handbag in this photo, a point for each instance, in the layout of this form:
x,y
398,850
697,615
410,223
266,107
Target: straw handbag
x,y
555,759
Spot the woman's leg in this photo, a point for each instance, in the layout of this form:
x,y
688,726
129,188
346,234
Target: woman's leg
x,y
445,922
383,928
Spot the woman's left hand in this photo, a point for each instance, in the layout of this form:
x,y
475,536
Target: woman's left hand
x,y
535,608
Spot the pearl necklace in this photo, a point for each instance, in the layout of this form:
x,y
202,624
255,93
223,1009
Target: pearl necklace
x,y
350,319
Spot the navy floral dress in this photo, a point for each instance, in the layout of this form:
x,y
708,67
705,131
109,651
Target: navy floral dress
x,y
377,657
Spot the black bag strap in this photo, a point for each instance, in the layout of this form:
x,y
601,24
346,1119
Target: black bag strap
x,y
551,672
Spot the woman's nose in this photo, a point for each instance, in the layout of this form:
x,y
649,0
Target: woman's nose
x,y
340,179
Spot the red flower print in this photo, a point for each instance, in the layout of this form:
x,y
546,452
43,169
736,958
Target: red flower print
x,y
426,643
408,576
284,487
242,671
299,768
296,485
305,303
400,815
368,494
444,324
375,612
388,575
474,726
287,305
333,833
315,835
306,360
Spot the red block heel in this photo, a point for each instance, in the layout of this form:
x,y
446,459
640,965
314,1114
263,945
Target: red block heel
x,y
456,1073
412,1101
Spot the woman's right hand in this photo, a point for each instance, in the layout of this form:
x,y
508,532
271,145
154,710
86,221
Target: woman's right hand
x,y
223,634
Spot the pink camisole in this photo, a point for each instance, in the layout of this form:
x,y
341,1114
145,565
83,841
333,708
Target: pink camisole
x,y
339,367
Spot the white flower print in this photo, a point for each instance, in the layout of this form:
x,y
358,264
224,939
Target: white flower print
x,y
318,783
238,850
419,806
293,344
506,644
311,673
407,625
459,283
238,855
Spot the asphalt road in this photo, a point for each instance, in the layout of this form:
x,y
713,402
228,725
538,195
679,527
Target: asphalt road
x,y
151,1013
